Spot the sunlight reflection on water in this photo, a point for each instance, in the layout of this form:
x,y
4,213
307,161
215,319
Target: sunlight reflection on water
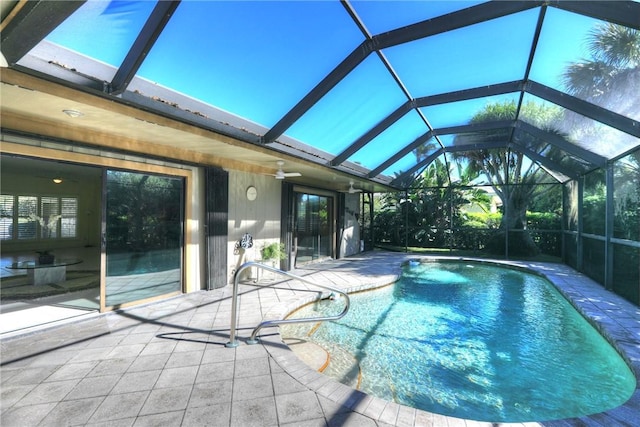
x,y
477,342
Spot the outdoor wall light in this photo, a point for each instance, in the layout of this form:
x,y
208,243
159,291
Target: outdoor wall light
x,y
73,113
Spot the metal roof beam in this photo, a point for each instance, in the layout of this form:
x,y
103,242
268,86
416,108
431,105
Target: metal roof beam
x,y
502,124
619,12
400,154
372,133
562,144
625,154
425,162
29,23
608,117
545,161
329,82
428,160
406,107
532,54
452,21
479,146
475,127
463,95
147,37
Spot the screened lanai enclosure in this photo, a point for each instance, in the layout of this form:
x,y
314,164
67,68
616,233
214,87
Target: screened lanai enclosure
x,y
506,129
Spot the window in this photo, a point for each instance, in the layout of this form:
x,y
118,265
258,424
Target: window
x,y
26,223
69,220
38,217
6,216
49,218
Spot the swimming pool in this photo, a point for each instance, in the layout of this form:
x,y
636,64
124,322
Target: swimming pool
x,y
475,341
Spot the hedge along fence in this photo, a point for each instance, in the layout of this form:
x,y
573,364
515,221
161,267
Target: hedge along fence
x,y
479,232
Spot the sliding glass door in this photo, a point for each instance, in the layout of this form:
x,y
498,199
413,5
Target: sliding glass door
x,y
313,227
143,236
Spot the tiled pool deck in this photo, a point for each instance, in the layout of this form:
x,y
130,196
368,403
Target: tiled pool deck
x,y
165,364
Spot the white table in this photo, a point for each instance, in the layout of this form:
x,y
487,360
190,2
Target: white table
x,y
44,274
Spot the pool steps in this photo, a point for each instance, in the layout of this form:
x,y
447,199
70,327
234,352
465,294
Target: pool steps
x,y
344,367
338,364
309,352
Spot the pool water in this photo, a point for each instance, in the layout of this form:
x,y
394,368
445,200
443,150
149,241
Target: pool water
x,y
475,341
152,261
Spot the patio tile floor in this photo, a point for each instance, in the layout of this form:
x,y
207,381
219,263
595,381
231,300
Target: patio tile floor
x,y
166,364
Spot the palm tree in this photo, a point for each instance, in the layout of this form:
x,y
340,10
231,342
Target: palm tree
x,y
608,79
613,71
513,177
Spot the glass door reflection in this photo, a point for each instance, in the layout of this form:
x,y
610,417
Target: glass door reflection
x,y
143,237
313,219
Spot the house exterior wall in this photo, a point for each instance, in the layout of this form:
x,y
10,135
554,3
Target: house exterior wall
x,y
260,217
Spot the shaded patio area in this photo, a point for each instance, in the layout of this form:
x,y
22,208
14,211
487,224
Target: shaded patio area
x,y
165,363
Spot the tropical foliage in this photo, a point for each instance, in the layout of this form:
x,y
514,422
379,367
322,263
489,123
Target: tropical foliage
x,y
421,215
612,72
143,212
513,177
432,212
627,197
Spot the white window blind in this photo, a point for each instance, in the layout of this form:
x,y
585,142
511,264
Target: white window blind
x,y
27,217
69,220
49,217
6,216
38,217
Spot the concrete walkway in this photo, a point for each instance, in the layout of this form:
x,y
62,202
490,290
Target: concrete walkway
x,y
165,364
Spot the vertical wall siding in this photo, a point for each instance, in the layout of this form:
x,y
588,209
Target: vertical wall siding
x,y
217,214
287,224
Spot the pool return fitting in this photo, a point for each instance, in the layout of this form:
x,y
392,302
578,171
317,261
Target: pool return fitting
x,y
233,342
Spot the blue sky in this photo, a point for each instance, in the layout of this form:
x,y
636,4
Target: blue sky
x,y
257,59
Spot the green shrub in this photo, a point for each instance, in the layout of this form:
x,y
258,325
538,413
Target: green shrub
x,y
544,221
273,251
481,220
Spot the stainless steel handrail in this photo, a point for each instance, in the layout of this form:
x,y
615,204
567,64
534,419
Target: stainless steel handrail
x,y
233,342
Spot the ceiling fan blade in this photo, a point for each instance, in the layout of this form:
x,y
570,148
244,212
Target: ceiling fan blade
x,y
281,174
353,190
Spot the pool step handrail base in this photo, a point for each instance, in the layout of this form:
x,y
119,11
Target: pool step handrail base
x,y
233,342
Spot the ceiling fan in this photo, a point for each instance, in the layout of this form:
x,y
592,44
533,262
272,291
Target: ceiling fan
x,y
353,190
281,174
